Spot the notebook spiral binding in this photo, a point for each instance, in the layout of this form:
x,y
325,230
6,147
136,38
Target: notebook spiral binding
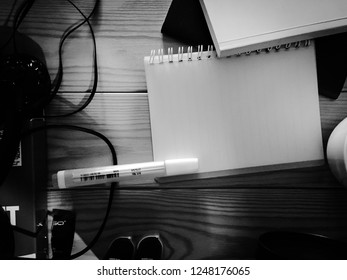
x,y
159,57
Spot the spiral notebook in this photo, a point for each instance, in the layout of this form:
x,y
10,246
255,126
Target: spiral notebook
x,y
248,113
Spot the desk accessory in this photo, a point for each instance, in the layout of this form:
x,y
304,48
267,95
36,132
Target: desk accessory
x,y
337,152
115,173
241,26
239,114
63,231
149,247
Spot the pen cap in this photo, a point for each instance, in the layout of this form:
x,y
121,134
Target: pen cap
x,y
181,166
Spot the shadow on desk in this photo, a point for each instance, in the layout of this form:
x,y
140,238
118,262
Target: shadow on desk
x,y
219,218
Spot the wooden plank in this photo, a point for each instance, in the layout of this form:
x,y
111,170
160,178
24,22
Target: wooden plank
x,y
206,224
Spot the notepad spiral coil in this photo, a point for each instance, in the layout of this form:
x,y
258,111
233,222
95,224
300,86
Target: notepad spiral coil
x,y
248,113
189,55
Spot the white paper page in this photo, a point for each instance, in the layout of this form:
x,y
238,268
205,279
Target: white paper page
x,y
236,112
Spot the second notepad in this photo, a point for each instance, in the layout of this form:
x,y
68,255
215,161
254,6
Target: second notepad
x,y
238,114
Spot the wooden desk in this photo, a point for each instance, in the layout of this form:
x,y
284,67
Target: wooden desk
x,y
206,219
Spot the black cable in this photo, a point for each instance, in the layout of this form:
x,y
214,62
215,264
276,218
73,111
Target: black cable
x,y
30,233
21,14
14,4
18,18
77,128
113,185
59,77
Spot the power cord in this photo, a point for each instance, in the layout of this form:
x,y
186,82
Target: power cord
x,y
113,185
18,18
28,232
22,12
59,77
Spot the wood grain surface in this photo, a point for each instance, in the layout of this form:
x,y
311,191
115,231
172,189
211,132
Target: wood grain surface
x,y
206,223
218,218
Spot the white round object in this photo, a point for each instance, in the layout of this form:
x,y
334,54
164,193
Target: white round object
x,y
337,152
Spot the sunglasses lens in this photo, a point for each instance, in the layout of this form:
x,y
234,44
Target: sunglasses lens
x,y
121,248
150,248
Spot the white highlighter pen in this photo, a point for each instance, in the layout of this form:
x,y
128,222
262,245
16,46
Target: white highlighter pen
x,y
114,173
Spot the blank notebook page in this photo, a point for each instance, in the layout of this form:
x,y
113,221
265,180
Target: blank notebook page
x,y
237,114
